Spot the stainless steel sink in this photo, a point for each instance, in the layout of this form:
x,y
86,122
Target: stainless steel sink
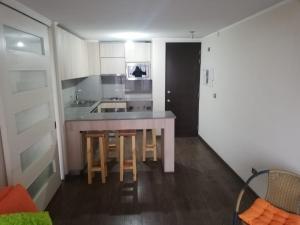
x,y
83,103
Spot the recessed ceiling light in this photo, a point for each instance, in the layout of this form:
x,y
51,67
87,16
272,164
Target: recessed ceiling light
x,y
129,35
20,44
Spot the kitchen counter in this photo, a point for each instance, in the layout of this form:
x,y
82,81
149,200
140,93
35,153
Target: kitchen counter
x,y
83,114
79,119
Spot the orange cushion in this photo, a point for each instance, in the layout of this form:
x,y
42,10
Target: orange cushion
x,y
4,191
264,213
17,200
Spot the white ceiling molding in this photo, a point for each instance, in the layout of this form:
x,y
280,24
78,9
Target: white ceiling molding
x,y
252,16
27,11
104,20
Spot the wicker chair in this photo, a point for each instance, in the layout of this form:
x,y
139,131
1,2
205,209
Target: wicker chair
x,y
283,191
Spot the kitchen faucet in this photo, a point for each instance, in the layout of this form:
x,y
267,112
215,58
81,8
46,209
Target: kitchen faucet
x,y
77,91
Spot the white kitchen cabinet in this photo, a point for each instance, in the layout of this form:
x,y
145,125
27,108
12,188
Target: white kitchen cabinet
x,y
72,55
75,56
64,54
112,49
84,63
93,49
112,65
138,52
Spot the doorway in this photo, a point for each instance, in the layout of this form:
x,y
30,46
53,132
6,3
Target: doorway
x,y
182,86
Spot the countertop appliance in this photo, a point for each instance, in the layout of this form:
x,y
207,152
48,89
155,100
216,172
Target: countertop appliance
x,y
138,71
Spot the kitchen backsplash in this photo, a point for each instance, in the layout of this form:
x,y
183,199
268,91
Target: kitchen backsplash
x,y
138,86
68,90
112,79
109,86
113,90
90,88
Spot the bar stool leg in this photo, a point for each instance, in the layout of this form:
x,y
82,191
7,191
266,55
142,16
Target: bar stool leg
x,y
133,149
149,147
102,160
144,144
92,156
117,149
89,159
105,154
154,144
121,158
83,148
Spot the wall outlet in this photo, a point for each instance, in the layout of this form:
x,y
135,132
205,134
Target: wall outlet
x,y
254,171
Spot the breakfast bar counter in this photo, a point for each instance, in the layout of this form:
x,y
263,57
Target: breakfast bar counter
x,y
80,119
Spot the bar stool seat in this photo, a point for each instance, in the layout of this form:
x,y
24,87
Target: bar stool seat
x,y
88,144
151,147
127,133
130,164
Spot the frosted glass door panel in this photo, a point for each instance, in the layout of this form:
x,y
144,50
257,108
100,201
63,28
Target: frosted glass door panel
x,y
36,151
26,80
20,41
41,180
27,105
28,118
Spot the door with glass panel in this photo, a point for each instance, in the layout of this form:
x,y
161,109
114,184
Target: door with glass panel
x,y
26,92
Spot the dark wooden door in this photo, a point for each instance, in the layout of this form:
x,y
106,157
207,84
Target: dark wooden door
x,y
182,86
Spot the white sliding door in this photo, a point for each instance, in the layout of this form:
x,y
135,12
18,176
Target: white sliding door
x,y
26,92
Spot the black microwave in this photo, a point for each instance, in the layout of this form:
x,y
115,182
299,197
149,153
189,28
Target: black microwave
x,y
138,71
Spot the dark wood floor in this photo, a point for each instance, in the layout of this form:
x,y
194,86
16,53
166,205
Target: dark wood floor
x,y
202,191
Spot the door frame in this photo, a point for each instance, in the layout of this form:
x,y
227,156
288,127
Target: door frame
x,y
3,173
195,41
158,69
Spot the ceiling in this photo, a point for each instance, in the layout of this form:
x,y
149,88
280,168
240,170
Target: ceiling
x,y
146,19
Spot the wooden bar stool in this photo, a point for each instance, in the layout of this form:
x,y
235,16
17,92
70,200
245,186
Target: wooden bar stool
x,y
152,147
92,166
127,164
112,146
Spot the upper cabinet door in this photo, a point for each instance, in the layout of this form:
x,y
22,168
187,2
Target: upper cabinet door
x,y
83,59
63,46
138,52
72,55
76,56
93,49
112,50
112,65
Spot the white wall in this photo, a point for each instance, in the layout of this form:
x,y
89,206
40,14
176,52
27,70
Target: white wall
x,y
158,73
255,119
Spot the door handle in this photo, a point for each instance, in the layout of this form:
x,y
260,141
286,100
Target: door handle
x,y
168,100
